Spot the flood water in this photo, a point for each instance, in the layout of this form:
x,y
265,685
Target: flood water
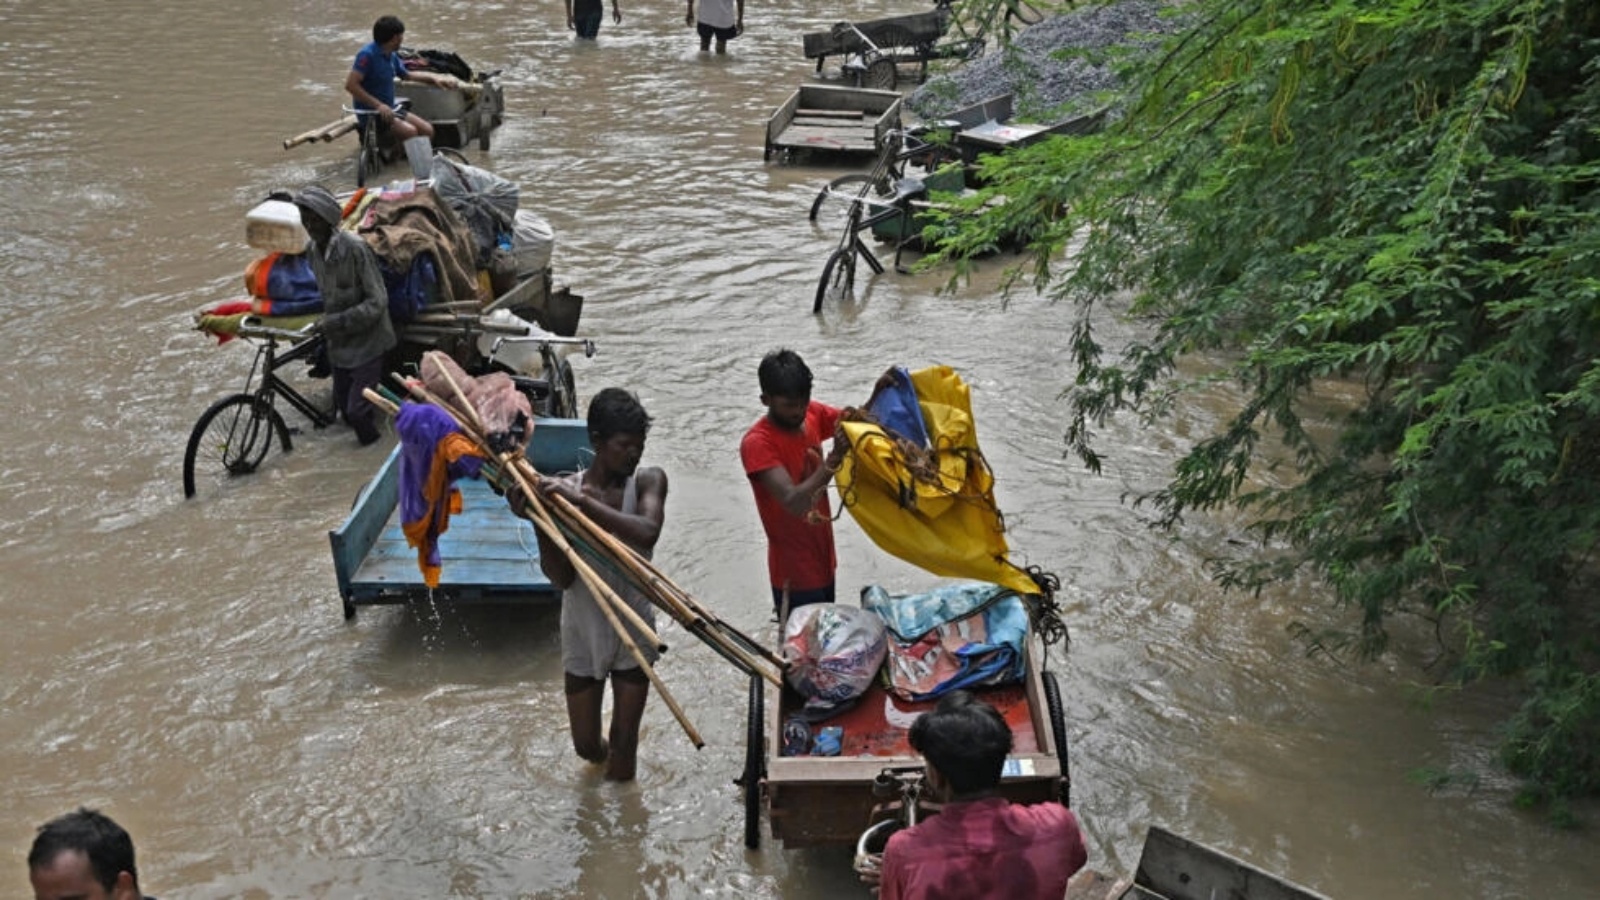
x,y
185,667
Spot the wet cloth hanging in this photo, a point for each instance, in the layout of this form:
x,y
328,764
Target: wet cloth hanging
x,y
433,454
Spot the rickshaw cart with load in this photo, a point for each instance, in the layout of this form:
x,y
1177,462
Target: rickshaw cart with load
x,y
831,800
916,482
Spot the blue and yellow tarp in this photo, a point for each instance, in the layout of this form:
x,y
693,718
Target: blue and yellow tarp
x,y
931,505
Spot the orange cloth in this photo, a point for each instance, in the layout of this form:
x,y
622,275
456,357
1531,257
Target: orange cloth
x,y
443,501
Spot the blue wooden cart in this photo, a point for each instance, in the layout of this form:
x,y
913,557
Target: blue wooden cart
x,y
490,555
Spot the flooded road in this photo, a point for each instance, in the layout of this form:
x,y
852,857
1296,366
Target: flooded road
x,y
185,667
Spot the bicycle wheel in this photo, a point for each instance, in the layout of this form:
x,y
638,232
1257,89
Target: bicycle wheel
x,y
369,156
754,765
361,164
832,203
232,437
838,276
563,393
1058,730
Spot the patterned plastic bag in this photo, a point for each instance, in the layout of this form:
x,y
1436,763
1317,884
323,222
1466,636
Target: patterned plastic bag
x,y
834,653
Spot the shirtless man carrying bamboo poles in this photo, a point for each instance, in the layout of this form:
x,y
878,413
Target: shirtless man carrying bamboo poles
x,y
629,502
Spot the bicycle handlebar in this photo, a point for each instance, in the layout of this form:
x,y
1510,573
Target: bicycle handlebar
x,y
401,107
251,327
586,343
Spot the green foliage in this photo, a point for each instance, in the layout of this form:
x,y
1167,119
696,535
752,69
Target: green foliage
x,y
1403,196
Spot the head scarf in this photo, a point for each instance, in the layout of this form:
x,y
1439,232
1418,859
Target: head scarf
x,y
321,203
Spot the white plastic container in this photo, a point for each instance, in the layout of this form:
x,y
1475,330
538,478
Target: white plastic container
x,y
532,242
275,226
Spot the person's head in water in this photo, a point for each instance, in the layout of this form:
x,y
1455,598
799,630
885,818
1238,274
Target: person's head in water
x,y
83,855
785,388
618,426
965,742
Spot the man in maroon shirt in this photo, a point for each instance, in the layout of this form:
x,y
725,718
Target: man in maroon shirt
x,y
980,845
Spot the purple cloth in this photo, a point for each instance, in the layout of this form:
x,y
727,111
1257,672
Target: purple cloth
x,y
421,427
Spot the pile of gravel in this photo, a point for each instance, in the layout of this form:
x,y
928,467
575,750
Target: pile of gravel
x,y
1045,86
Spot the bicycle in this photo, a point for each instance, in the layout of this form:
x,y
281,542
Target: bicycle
x,y
879,201
552,392
234,434
374,150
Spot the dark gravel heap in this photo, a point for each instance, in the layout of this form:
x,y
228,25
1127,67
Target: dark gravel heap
x,y
1046,88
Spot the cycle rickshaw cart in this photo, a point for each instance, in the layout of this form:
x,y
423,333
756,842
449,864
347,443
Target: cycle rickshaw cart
x,y
234,435
461,115
875,50
914,165
831,800
948,525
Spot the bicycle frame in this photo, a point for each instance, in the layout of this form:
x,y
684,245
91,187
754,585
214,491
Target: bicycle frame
x,y
888,181
267,363
371,148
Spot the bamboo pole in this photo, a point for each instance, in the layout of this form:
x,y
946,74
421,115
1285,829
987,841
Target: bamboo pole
x,y
322,132
708,628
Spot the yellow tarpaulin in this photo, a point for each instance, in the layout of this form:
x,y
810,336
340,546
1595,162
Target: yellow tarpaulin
x,y
933,508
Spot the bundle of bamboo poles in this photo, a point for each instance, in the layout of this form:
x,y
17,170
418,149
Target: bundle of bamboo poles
x,y
563,524
336,129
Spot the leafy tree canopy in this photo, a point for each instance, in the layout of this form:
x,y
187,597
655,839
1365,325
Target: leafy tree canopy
x,y
1402,195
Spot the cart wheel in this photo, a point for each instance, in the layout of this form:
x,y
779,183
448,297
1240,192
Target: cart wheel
x,y
485,124
231,437
881,74
838,276
1058,730
832,203
755,767
349,611
895,36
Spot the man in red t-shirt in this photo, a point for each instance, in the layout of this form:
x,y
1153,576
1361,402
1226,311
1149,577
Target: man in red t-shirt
x,y
980,846
782,456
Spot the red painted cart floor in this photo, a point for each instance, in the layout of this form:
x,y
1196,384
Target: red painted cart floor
x,y
877,725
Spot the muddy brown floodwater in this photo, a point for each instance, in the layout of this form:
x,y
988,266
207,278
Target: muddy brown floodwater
x,y
184,665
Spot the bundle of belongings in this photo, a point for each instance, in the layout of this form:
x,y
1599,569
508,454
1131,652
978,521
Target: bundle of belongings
x,y
833,653
434,454
424,250
967,635
922,646
917,483
510,243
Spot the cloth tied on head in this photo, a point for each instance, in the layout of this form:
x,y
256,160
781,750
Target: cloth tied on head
x,y
321,203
